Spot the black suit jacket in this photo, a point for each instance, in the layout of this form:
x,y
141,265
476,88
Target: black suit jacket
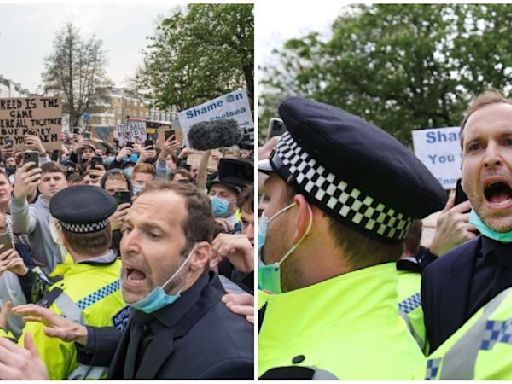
x,y
445,287
197,337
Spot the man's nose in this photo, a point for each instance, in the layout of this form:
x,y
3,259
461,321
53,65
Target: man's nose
x,y
492,156
129,242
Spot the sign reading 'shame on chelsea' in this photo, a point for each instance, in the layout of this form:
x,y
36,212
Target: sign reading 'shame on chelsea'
x,y
234,105
38,115
440,151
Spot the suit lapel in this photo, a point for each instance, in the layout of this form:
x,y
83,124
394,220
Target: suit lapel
x,y
116,370
158,351
458,286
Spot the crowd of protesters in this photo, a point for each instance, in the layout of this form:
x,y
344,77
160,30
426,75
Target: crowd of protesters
x,y
78,207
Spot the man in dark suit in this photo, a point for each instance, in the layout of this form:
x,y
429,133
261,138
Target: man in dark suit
x,y
178,328
184,332
461,282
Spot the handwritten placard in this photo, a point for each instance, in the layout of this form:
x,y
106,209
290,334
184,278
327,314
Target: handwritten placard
x,y
38,115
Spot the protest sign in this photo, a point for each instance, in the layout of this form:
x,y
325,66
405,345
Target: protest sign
x,y
194,159
440,151
38,115
133,131
234,105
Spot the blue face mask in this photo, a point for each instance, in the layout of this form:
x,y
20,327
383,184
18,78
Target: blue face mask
x,y
128,172
474,219
108,160
137,189
157,298
269,275
220,206
134,157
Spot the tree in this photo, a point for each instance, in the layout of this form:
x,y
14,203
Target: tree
x,y
402,67
198,54
75,71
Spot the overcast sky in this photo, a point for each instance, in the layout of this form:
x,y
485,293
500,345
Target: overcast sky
x,y
27,32
280,20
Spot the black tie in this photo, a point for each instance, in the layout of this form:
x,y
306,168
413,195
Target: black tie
x,y
138,331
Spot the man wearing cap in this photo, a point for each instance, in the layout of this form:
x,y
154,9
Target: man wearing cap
x,y
342,194
223,197
89,290
88,151
225,189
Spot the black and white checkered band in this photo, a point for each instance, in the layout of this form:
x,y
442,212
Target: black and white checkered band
x,y
85,228
337,196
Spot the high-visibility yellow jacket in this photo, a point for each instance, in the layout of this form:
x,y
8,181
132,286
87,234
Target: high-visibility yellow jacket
x,y
480,350
347,326
262,298
409,306
89,294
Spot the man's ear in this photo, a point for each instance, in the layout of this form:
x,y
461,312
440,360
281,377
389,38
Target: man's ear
x,y
303,218
201,257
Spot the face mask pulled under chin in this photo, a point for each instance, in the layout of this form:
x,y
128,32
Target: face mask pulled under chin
x,y
269,275
158,298
504,237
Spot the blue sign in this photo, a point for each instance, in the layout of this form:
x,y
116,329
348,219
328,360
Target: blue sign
x,y
86,116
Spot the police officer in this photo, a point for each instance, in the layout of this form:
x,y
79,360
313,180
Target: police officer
x,y
88,291
342,194
233,177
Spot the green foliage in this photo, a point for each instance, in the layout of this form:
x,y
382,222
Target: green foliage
x,y
200,53
402,67
75,71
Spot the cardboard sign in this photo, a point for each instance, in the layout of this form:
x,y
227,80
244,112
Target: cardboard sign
x,y
440,151
194,159
105,134
234,105
38,115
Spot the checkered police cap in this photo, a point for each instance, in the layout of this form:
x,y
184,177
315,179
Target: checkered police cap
x,y
353,171
82,208
84,228
337,196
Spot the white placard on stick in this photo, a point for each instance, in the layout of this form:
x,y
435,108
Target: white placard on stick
x,y
234,105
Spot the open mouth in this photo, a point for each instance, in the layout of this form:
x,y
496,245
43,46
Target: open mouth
x,y
135,276
498,194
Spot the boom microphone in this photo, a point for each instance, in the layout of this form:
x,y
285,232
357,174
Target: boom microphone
x,y
214,134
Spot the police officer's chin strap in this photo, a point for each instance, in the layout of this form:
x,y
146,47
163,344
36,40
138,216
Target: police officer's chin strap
x,y
294,247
